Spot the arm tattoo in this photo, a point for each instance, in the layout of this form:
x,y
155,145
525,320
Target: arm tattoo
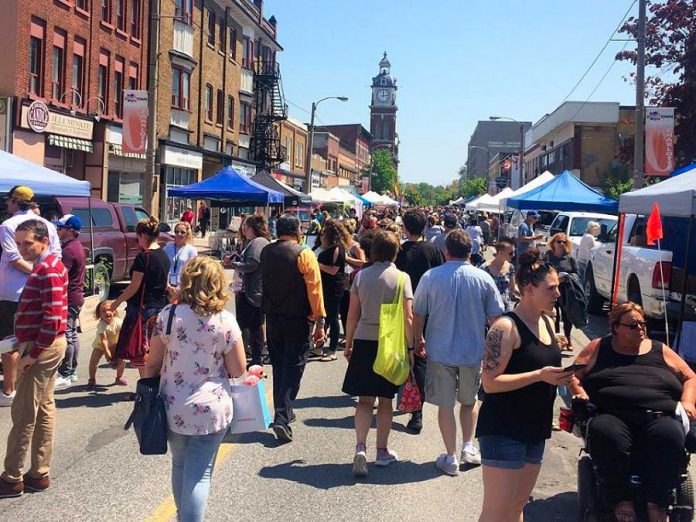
x,y
492,349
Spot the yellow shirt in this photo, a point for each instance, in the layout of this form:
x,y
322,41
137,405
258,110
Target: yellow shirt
x,y
111,330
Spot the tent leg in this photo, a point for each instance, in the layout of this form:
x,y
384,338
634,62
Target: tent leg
x,y
91,244
682,305
616,269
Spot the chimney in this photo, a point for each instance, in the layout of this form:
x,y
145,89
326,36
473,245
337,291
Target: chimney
x,y
272,20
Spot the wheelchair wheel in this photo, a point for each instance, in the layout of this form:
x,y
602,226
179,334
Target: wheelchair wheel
x,y
587,491
684,508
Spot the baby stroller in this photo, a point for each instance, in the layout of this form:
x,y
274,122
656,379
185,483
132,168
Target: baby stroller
x,y
592,503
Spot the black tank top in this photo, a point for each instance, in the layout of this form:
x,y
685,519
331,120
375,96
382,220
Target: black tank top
x,y
619,382
526,413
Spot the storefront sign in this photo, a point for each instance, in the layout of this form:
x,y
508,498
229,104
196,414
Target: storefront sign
x,y
135,117
659,141
39,118
184,158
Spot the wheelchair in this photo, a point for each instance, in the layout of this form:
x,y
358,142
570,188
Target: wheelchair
x,y
592,502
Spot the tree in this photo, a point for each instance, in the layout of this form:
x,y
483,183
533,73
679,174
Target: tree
x,y
670,51
472,187
383,172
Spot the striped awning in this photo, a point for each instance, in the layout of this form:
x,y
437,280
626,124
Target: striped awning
x,y
67,142
117,150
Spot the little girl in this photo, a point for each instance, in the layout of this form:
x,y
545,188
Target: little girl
x,y
105,343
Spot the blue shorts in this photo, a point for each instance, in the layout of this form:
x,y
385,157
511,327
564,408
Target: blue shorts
x,y
499,451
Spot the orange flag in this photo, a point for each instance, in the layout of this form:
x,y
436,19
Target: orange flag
x,y
653,228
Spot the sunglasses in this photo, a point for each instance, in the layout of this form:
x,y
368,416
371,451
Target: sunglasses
x,y
559,242
180,233
635,326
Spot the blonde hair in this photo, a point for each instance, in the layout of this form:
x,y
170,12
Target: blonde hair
x,y
102,304
618,311
203,286
187,227
560,236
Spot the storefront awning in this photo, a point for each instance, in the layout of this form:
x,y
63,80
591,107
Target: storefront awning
x,y
117,150
70,143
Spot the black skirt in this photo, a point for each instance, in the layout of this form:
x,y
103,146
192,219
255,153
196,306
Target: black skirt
x,y
361,380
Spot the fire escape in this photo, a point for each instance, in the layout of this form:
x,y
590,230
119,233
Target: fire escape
x,y
270,109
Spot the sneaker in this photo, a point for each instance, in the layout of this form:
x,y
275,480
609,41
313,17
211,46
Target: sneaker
x,y
449,466
6,400
471,455
415,425
10,489
385,457
121,381
283,433
36,484
360,462
73,377
62,383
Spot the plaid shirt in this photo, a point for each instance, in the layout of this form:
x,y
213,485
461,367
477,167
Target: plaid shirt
x,y
42,311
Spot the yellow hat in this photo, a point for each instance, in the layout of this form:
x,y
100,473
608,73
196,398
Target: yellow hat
x,y
21,193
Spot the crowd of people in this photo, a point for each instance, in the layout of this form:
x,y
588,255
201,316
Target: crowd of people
x,y
479,329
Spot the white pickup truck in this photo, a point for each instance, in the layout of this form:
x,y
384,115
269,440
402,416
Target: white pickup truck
x,y
640,277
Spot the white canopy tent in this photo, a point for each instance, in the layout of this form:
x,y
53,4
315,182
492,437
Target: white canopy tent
x,y
540,180
44,182
324,196
676,197
348,198
457,201
485,203
386,200
372,197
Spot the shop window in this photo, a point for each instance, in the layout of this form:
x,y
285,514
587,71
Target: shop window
x,y
220,108
36,56
177,177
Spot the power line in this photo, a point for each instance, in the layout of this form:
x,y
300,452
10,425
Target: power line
x,y
604,47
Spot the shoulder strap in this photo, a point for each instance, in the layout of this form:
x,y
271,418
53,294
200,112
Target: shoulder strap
x,y
142,293
170,319
399,296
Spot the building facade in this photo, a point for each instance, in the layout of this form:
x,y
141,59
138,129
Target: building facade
x,y
293,139
354,155
67,63
489,139
586,138
383,109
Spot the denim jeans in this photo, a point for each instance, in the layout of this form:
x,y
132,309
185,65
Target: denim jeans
x,y
69,364
193,458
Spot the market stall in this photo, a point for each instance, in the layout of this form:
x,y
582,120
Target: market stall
x,y
43,181
483,203
292,197
540,180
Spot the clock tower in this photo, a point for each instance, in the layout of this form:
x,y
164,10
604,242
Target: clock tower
x,y
383,111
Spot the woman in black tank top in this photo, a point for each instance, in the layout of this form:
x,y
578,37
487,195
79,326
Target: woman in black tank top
x,y
521,369
636,385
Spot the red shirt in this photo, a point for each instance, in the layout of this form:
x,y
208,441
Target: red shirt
x,y
42,311
187,216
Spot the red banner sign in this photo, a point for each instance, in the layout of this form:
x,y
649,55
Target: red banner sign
x,y
659,141
135,113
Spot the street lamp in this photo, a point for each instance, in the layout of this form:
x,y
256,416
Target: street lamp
x,y
75,93
495,118
308,166
101,109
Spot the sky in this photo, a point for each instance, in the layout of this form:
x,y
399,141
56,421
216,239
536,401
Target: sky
x,y
456,61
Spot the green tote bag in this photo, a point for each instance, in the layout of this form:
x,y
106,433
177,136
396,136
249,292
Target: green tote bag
x,y
392,354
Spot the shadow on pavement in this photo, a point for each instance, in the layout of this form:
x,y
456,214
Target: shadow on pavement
x,y
265,438
333,402
328,476
90,400
349,423
558,508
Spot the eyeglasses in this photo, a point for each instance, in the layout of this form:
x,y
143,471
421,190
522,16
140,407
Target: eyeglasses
x,y
180,233
560,242
635,326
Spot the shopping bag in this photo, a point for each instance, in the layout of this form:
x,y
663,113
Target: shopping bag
x,y
391,361
409,396
249,408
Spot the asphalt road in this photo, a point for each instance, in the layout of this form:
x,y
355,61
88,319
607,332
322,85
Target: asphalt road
x,y
98,474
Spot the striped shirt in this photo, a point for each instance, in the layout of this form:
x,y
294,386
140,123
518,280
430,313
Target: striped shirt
x,y
42,311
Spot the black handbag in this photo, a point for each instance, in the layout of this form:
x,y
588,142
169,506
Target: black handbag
x,y
149,416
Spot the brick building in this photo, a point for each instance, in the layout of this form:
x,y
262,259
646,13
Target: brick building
x,y
293,138
209,53
66,64
353,155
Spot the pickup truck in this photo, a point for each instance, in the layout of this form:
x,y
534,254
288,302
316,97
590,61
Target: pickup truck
x,y
574,225
115,241
642,269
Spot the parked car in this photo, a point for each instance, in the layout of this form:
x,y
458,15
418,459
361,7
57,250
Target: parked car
x,y
115,241
642,270
574,225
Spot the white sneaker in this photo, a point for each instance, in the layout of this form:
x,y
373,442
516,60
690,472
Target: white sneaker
x,y
6,400
448,466
471,455
360,464
62,383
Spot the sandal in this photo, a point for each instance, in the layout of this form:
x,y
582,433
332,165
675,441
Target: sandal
x,y
316,353
328,358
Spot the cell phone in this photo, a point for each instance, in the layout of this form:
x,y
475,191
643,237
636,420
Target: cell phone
x,y
574,367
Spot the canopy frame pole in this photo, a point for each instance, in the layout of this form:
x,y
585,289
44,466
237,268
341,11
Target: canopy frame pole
x,y
682,304
91,244
616,270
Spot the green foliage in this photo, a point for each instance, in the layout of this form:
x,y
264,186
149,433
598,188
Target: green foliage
x,y
383,172
472,187
422,194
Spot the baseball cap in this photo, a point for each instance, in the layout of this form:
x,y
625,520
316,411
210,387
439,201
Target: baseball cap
x,y
450,221
533,213
69,221
21,193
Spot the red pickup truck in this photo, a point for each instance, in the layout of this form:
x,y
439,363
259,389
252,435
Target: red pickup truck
x,y
115,242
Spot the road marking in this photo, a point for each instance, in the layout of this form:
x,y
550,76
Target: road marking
x,y
166,510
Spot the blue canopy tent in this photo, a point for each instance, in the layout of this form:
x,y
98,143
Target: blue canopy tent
x,y
44,182
683,169
230,186
564,192
366,203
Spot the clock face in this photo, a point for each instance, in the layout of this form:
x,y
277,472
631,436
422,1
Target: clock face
x,y
383,95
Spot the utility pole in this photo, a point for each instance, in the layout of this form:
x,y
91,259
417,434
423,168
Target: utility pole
x,y
521,158
151,167
639,153
310,149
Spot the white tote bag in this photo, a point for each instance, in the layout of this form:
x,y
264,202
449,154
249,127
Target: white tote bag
x,y
249,408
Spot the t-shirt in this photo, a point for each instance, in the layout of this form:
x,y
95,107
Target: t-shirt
x,y
376,285
74,261
154,264
458,299
587,243
332,285
524,230
416,258
177,260
111,330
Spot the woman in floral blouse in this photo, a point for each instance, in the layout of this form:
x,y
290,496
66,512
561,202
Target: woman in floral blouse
x,y
195,361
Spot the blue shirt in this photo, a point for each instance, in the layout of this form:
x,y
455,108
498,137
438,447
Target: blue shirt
x,y
458,299
524,230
